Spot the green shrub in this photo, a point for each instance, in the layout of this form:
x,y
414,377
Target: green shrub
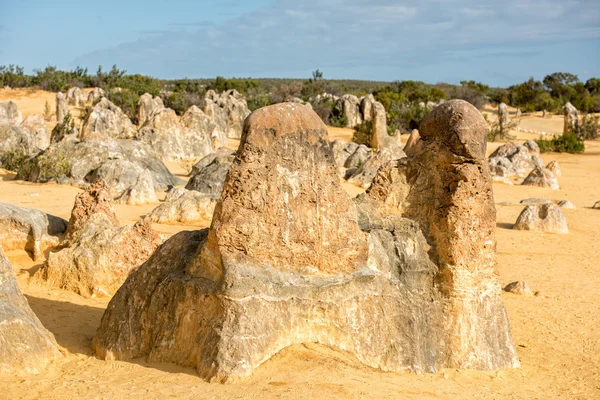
x,y
63,128
567,143
52,168
338,120
17,161
362,133
501,130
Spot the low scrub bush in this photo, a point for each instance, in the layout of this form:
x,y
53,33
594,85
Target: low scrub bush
x,y
567,143
362,133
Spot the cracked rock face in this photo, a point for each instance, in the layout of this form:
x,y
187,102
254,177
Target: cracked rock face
x,y
289,258
26,346
184,206
107,119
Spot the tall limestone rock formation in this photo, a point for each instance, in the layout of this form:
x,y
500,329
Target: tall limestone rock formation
x,y
290,258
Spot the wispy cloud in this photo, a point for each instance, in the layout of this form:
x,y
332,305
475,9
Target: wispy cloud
x,y
287,36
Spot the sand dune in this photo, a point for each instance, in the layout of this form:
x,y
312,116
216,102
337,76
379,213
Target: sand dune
x,y
557,332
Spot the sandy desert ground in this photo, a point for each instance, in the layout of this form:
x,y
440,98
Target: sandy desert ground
x,y
557,332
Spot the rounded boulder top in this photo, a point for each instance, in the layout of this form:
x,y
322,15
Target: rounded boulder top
x,y
458,125
281,119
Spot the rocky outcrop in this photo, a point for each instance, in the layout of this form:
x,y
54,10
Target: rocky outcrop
x,y
502,113
286,262
364,174
554,167
195,136
228,110
36,126
147,107
379,135
542,217
29,229
185,207
62,108
541,177
366,107
97,254
411,147
119,163
571,119
342,150
10,113
106,119
209,173
140,192
95,94
202,132
349,106
512,159
518,287
27,347
532,147
95,200
15,141
75,97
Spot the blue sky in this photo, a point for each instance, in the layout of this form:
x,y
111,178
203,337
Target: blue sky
x,y
497,42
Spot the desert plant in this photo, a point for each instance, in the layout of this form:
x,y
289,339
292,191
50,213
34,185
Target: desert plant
x,y
52,168
63,128
362,133
500,130
17,161
567,143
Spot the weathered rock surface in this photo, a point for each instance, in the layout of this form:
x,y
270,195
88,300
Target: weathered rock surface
x,y
201,130
10,113
209,178
285,262
75,97
566,204
27,347
195,136
542,217
97,254
140,192
342,150
379,134
502,113
228,110
411,146
366,172
518,287
350,107
95,200
62,108
596,205
541,177
120,163
36,126
147,107
358,158
95,94
366,107
99,257
186,207
554,167
452,201
14,140
29,229
107,119
571,119
532,147
512,159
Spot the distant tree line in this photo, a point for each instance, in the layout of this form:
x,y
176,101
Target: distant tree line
x,y
401,99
